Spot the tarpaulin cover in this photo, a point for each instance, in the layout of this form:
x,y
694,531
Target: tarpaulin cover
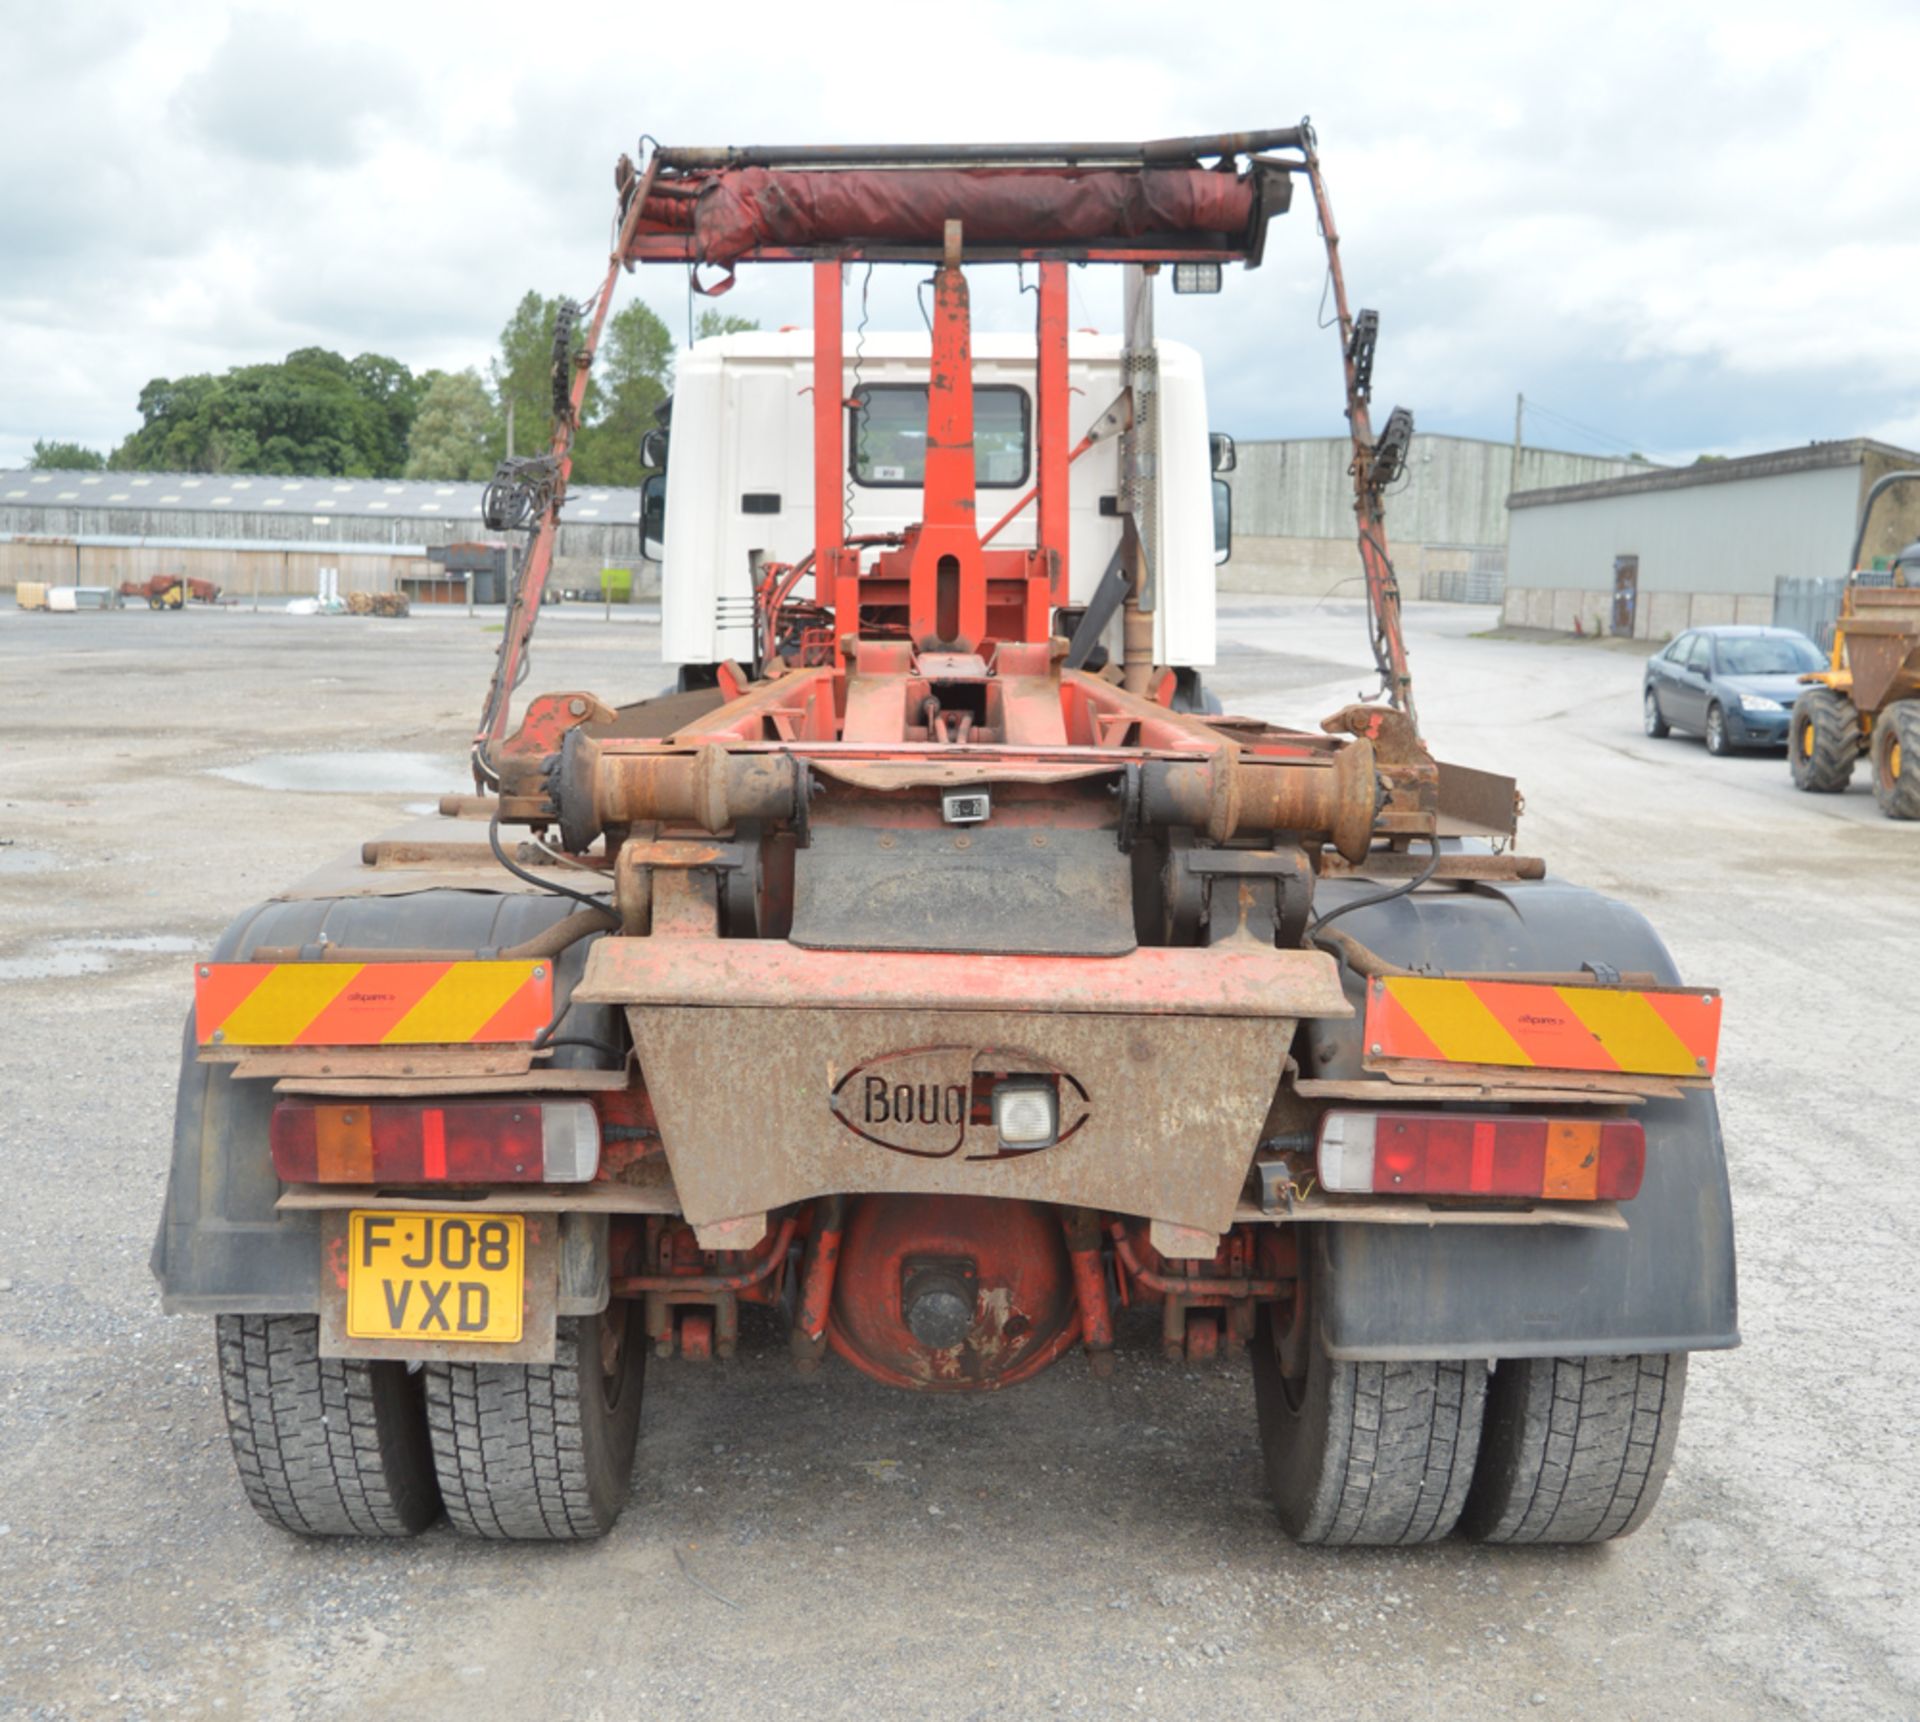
x,y
744,209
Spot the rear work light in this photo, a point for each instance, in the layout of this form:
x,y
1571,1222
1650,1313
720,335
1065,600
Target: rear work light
x,y
1448,1154
460,1142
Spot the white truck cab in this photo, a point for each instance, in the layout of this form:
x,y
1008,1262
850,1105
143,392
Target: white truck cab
x,y
738,488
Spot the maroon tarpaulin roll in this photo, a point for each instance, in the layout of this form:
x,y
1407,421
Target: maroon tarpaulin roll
x,y
743,209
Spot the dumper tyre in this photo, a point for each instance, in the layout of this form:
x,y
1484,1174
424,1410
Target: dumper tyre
x,y
1823,740
1896,760
1365,1454
1575,1449
542,1452
325,1446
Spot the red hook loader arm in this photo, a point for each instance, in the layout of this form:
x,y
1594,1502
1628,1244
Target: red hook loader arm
x,y
945,989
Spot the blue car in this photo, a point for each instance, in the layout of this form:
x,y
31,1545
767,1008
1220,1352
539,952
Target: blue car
x,y
1734,686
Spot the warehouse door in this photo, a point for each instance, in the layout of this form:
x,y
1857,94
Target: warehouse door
x,y
1626,590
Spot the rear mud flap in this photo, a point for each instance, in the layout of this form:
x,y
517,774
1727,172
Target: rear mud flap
x,y
1666,1283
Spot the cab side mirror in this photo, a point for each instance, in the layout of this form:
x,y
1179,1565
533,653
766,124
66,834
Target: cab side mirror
x,y
1222,521
653,450
1225,457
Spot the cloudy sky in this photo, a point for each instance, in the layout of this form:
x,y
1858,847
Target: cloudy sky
x,y
1676,227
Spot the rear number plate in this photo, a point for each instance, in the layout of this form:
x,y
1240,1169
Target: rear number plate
x,y
422,1276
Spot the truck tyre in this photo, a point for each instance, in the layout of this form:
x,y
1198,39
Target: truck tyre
x,y
1364,1454
1575,1448
542,1452
1896,760
325,1446
1823,741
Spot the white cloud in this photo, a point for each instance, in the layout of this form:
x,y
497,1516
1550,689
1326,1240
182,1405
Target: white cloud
x,y
1688,225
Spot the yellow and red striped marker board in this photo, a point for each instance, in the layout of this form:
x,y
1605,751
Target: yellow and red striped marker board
x,y
1666,1031
371,1004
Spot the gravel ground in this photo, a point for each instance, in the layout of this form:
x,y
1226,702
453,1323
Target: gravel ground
x,y
823,1547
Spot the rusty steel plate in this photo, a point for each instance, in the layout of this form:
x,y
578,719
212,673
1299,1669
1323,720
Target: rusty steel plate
x,y
1234,979
1159,1116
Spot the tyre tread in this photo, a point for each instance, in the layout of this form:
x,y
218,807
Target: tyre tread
x,y
509,1447
1399,1455
1901,720
1836,742
324,1446
1577,1447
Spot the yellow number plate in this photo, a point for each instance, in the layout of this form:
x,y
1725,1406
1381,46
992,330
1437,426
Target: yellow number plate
x,y
418,1276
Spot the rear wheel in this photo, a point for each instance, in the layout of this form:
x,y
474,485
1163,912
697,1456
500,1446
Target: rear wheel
x,y
1717,742
1896,760
1575,1449
325,1446
1823,740
542,1452
1363,1453
1656,724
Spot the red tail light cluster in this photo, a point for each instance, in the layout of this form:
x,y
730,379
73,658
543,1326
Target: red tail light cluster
x,y
1452,1154
460,1142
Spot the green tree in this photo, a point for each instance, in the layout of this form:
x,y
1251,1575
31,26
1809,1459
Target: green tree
x,y
313,412
66,457
714,322
456,432
395,394
523,373
630,381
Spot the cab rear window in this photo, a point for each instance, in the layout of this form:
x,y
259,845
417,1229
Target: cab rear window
x,y
888,444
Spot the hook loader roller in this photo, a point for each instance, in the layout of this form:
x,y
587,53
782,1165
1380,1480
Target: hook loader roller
x,y
934,965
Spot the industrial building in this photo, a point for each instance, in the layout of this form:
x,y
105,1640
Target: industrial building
x,y
273,537
1654,553
1293,528
279,537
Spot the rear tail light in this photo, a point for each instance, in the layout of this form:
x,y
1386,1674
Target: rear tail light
x,y
1447,1154
461,1142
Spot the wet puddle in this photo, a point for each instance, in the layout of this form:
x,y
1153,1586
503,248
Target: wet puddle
x,y
352,773
14,859
63,959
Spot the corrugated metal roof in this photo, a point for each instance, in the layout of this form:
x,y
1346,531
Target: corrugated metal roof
x,y
276,546
203,492
1812,458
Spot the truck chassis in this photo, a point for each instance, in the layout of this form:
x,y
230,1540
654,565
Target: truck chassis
x,y
948,997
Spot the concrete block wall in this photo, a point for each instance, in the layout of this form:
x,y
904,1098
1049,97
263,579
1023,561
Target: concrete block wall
x,y
1293,567
1660,615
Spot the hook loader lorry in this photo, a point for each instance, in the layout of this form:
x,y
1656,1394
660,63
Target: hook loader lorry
x,y
933,967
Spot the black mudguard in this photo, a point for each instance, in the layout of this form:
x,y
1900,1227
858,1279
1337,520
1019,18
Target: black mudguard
x,y
222,1248
1664,1284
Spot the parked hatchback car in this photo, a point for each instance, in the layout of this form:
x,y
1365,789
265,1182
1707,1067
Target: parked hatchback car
x,y
1734,686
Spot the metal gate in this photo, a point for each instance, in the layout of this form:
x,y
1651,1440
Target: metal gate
x,y
1809,604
